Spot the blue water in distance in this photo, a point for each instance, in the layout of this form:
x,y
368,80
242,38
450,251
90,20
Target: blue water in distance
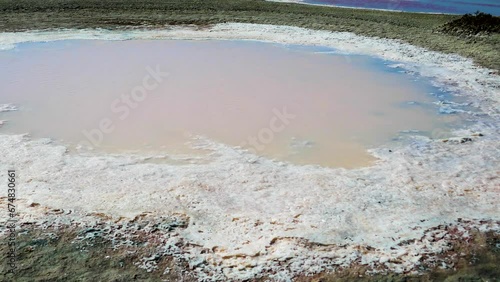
x,y
426,6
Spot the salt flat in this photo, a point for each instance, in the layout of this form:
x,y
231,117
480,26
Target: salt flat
x,y
258,215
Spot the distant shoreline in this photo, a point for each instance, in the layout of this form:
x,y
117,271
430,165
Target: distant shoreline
x,y
363,8
360,8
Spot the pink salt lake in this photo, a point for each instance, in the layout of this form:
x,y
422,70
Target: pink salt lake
x,y
291,105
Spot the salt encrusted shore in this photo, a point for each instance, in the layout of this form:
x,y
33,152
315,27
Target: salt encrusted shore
x,y
244,216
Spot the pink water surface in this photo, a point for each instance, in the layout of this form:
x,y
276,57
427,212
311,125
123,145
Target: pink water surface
x,y
230,92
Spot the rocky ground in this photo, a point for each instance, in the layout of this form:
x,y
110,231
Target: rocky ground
x,y
479,24
132,251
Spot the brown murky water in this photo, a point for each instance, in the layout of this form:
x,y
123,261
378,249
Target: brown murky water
x,y
292,105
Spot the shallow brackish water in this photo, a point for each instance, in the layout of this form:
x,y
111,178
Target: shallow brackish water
x,y
427,6
303,105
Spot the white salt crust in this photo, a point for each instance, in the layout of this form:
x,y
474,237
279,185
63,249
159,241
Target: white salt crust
x,y
8,108
257,215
